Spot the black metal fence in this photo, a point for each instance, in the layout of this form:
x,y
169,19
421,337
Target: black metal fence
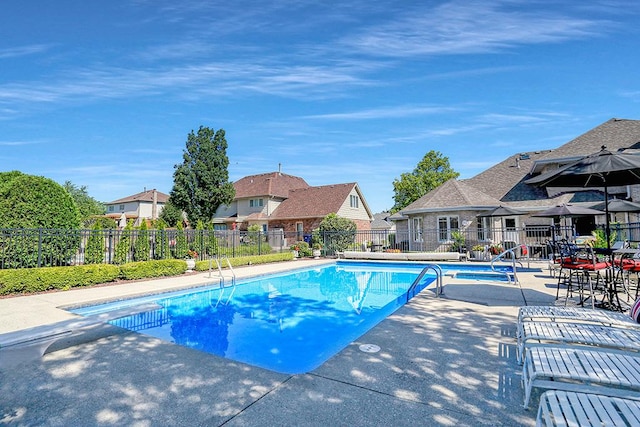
x,y
25,248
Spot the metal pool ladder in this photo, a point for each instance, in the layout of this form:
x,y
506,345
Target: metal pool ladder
x,y
512,277
434,267
221,276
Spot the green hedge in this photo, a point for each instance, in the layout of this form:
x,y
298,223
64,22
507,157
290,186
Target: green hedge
x,y
247,260
156,268
29,280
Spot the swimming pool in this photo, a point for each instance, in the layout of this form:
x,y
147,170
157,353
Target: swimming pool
x,y
290,322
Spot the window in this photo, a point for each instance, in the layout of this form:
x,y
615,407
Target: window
x,y
354,201
111,208
446,225
510,224
254,203
484,228
416,229
121,207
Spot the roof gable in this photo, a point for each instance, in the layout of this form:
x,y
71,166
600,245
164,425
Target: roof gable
x,y
145,196
313,202
452,194
268,184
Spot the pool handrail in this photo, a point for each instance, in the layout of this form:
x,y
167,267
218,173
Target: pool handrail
x,y
220,274
434,267
514,273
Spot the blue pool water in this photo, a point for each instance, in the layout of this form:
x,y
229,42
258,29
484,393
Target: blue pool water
x,y
289,323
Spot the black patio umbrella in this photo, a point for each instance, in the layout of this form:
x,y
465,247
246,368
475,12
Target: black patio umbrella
x,y
502,211
567,211
618,205
603,169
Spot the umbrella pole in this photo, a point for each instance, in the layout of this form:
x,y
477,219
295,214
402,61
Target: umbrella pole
x,y
607,227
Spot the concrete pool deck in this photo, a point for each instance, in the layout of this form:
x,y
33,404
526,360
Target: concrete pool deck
x,y
446,361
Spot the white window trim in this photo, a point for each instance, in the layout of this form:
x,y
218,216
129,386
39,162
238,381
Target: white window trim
x,y
416,229
449,229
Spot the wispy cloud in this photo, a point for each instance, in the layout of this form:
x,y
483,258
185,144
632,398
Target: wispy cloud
x,y
459,27
23,50
385,113
18,143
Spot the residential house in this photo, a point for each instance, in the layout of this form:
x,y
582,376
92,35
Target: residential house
x,y
457,204
382,222
277,201
146,205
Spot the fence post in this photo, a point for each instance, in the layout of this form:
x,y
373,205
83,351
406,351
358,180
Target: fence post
x,y
39,247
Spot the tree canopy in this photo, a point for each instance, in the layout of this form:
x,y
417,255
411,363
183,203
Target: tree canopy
x,y
201,182
28,201
431,172
87,205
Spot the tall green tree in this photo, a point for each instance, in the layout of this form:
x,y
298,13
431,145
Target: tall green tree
x,y
201,182
431,172
87,205
170,213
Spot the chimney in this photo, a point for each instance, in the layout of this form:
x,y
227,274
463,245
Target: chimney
x,y
154,205
279,168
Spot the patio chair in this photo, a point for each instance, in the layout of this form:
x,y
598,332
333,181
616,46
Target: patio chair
x,y
562,408
576,333
594,274
575,368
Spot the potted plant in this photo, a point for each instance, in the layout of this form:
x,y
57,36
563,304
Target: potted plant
x,y
295,248
317,247
495,249
191,259
478,252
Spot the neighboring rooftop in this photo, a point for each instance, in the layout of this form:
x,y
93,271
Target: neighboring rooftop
x,y
270,184
314,202
144,196
452,194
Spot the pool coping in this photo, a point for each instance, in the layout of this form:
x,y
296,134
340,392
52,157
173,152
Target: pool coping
x,y
337,374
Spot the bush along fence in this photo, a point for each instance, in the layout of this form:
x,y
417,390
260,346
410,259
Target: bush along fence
x,y
28,248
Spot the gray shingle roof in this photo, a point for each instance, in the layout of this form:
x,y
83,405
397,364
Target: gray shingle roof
x,y
452,194
504,182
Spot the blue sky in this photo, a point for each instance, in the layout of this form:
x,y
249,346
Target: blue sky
x,y
104,93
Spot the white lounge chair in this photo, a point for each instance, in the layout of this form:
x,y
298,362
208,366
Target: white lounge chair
x,y
562,408
576,333
546,313
577,369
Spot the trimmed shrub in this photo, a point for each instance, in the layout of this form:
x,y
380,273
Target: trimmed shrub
x,y
161,241
63,278
149,269
142,246
31,203
247,260
94,253
123,247
181,248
